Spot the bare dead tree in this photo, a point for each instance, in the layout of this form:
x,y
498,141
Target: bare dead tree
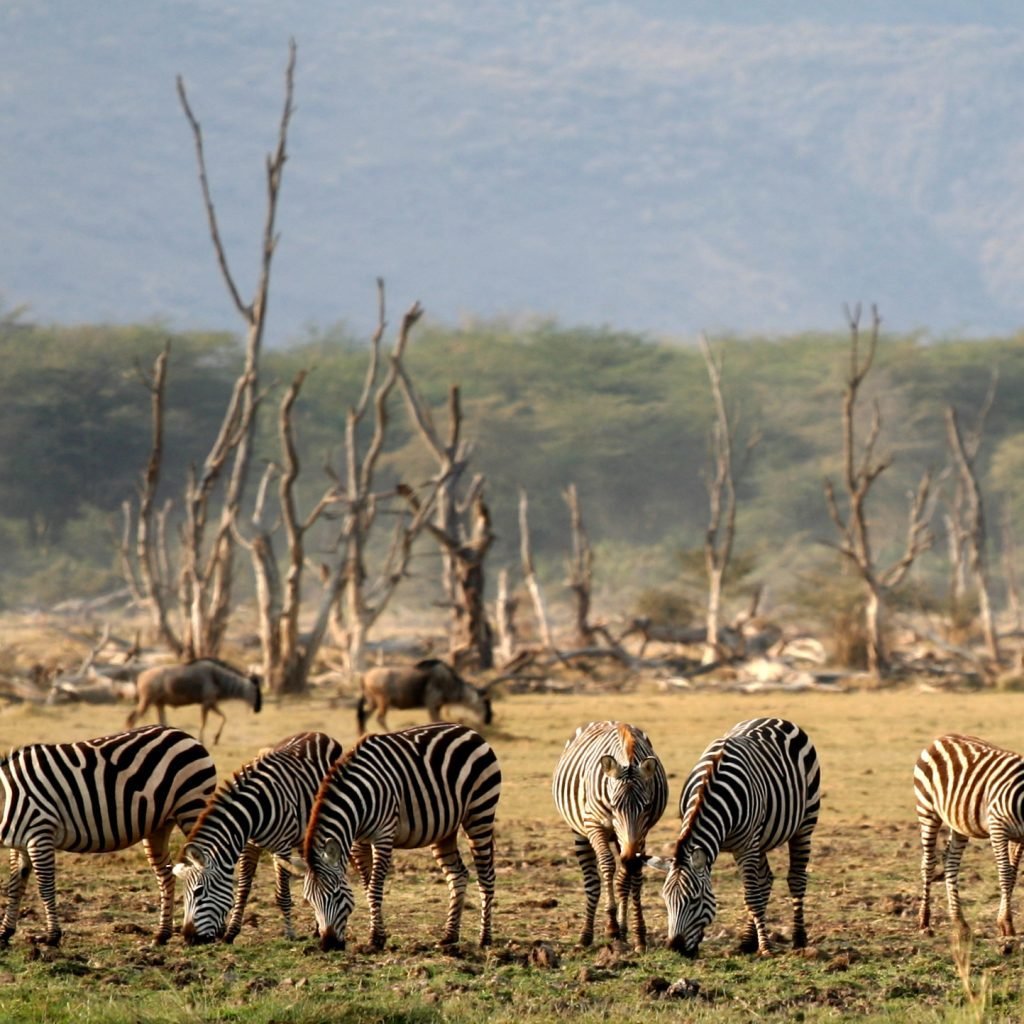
x,y
861,468
969,521
505,606
581,569
529,572
1010,569
206,574
721,530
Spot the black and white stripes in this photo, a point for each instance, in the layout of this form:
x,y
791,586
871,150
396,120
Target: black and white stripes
x,y
610,788
755,788
95,796
404,790
266,806
975,790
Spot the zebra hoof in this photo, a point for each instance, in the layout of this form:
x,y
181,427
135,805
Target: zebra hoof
x,y
800,939
377,940
587,939
748,944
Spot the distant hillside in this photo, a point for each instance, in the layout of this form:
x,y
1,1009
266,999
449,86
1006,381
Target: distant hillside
x,y
650,165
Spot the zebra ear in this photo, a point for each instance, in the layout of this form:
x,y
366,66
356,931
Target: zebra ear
x,y
649,767
330,853
179,869
193,855
659,863
609,765
698,860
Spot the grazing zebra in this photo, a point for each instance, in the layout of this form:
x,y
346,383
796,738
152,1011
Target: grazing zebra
x,y
405,789
752,790
96,796
266,806
429,684
610,788
203,681
975,789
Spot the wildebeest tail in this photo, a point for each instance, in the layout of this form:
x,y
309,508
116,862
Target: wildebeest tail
x,y
362,713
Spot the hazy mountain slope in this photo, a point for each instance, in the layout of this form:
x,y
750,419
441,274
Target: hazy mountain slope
x,y
642,164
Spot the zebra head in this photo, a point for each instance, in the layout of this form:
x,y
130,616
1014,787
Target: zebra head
x,y
630,792
688,896
327,890
208,892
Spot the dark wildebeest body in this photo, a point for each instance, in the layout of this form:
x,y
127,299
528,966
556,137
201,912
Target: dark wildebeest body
x,y
204,681
429,684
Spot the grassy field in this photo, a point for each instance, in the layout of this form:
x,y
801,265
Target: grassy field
x,y
866,960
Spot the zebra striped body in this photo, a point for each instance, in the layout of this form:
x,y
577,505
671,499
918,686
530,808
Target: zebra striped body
x,y
976,790
610,788
266,806
405,789
96,796
752,790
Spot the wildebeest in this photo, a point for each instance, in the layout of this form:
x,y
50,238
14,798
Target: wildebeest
x,y
204,681
429,684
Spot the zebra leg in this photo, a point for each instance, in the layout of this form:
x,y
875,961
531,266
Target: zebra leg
x,y
283,894
246,870
799,857
159,859
634,888
446,853
482,848
608,870
375,892
591,884
757,887
1007,869
21,868
41,854
954,853
929,825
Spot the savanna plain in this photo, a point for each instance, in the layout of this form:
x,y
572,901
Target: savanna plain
x,y
866,959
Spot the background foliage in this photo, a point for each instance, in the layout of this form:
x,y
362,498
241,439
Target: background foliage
x,y
624,416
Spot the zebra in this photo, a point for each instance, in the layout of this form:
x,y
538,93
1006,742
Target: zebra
x,y
429,684
266,805
610,788
975,789
406,789
204,681
752,790
95,796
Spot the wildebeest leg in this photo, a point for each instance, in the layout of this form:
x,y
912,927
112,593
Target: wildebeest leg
x,y
156,846
223,719
41,853
382,714
161,712
21,868
446,853
246,870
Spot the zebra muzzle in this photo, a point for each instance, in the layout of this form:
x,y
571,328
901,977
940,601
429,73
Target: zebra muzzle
x,y
678,945
194,938
330,941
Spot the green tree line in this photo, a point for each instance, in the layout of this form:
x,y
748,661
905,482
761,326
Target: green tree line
x,y
623,416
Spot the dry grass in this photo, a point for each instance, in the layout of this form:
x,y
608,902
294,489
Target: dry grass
x,y
866,961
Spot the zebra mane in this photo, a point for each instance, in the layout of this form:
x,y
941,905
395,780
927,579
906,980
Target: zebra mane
x,y
628,741
225,789
335,771
697,800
